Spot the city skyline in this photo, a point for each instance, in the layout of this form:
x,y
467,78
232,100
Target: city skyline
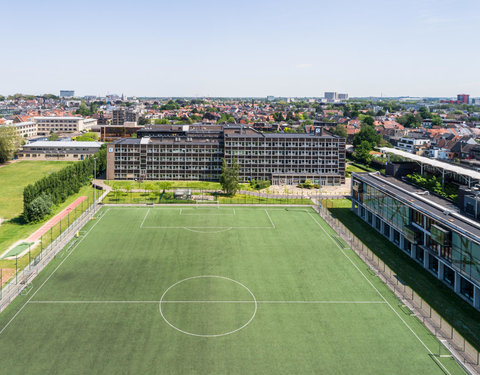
x,y
185,49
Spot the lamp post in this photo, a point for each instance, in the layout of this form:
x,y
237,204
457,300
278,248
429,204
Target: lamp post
x,y
94,185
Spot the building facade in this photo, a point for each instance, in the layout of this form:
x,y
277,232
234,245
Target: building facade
x,y
121,116
431,230
58,150
195,152
25,129
67,93
46,125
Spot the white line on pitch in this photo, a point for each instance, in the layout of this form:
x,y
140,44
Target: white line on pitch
x,y
271,221
53,272
380,294
148,211
211,301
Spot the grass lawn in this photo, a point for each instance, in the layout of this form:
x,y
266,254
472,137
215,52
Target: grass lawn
x,y
14,177
441,298
15,229
229,290
205,185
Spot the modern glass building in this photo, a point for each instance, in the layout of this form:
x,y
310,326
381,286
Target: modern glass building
x,y
431,230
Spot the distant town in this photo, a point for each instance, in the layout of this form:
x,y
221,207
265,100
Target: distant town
x,y
439,128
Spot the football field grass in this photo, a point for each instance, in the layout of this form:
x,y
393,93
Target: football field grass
x,y
229,290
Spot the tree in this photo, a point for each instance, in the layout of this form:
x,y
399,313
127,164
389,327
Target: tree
x,y
83,110
362,152
340,130
161,121
410,120
10,142
53,136
37,209
437,121
368,120
367,133
229,177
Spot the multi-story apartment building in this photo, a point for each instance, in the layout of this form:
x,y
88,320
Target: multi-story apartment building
x,y
196,152
432,231
121,116
63,124
25,129
67,93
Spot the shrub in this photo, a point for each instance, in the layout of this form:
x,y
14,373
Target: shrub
x,y
260,184
37,209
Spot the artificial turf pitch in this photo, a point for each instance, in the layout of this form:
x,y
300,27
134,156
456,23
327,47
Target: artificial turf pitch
x,y
242,290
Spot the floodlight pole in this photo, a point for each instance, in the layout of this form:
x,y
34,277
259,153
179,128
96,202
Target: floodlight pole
x,y
94,185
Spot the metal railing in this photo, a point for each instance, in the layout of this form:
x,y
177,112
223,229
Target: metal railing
x,y
460,348
50,244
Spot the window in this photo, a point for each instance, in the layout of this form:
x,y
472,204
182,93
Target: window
x,y
448,276
396,237
466,289
417,218
419,255
432,263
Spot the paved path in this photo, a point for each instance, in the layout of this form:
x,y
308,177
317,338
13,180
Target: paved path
x,y
49,224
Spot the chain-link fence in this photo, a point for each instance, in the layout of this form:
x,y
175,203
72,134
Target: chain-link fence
x,y
464,352
178,195
29,264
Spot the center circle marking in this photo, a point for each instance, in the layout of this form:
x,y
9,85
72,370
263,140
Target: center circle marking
x,y
207,335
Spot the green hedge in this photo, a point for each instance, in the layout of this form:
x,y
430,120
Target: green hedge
x,y
58,186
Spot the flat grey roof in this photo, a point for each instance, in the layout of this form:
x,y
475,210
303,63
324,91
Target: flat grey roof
x,y
434,163
437,208
62,144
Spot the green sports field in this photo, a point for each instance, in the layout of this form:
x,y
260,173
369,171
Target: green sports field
x,y
229,290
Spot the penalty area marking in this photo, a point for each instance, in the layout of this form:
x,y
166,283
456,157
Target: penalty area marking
x,y
233,213
205,229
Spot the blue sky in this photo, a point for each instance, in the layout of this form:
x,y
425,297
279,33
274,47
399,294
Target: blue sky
x,y
241,48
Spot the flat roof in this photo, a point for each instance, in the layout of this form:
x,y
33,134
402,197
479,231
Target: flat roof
x,y
432,162
437,208
51,144
58,118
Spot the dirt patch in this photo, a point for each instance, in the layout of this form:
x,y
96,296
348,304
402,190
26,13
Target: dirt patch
x,y
7,273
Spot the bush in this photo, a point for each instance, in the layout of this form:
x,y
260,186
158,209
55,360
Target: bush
x,y
260,184
433,184
67,181
307,184
37,209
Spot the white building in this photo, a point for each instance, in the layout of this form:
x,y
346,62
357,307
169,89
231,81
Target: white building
x,y
333,97
24,129
63,124
411,144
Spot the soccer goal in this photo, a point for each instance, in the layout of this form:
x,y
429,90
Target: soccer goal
x,y
207,204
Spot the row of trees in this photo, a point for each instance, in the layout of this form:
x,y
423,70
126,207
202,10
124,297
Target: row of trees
x,y
58,186
10,142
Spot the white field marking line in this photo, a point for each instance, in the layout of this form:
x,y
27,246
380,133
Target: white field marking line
x,y
205,214
53,272
189,228
271,221
210,301
380,294
148,211
254,300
